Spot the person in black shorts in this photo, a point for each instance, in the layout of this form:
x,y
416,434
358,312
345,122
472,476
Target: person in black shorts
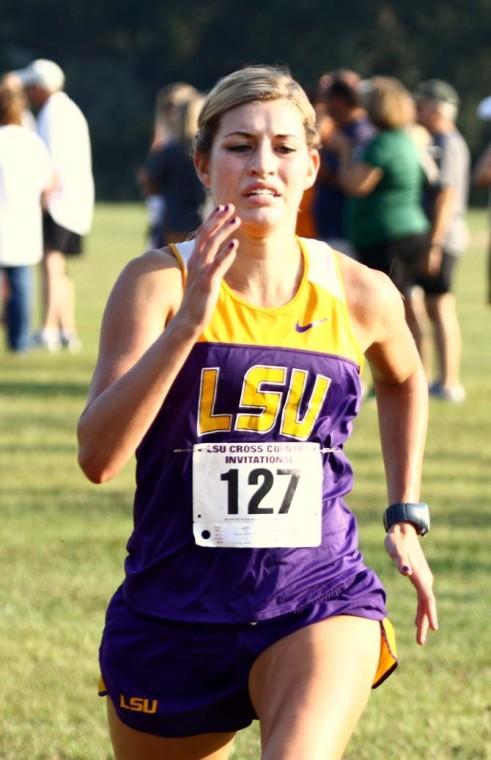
x,y
69,205
58,288
385,219
445,204
58,238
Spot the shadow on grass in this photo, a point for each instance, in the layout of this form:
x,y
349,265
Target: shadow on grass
x,y
37,388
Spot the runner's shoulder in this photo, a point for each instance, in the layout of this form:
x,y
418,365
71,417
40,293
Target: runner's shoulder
x,y
153,268
371,295
151,280
153,261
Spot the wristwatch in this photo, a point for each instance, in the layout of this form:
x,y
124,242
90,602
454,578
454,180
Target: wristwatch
x,y
418,514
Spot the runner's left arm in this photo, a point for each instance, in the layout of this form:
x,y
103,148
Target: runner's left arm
x,y
377,313
402,399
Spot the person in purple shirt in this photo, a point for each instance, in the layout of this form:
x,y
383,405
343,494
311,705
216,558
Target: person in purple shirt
x,y
230,365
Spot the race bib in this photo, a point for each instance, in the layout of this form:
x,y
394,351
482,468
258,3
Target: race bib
x,y
257,495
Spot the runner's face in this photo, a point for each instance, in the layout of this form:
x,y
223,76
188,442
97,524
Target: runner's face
x,y
260,162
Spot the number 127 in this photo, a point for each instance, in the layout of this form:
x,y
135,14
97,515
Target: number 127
x,y
264,479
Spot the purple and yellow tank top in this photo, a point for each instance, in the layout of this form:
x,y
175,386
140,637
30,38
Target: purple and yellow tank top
x,y
258,380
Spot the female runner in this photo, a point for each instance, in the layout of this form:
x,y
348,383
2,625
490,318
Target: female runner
x,y
230,365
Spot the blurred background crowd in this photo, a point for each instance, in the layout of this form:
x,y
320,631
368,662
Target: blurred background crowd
x,y
392,190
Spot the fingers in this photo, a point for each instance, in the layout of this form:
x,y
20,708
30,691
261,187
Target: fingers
x,y
422,630
426,613
216,218
432,613
225,258
213,254
214,231
405,549
426,616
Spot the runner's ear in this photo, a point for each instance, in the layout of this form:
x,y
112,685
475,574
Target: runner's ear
x,y
201,164
314,163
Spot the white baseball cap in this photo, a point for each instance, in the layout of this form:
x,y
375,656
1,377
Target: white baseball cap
x,y
44,73
484,109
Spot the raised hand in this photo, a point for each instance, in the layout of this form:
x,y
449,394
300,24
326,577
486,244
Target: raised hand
x,y
214,253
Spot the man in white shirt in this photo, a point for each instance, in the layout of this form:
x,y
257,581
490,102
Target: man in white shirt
x,y
63,128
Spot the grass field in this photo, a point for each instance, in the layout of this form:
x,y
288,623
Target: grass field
x,y
63,542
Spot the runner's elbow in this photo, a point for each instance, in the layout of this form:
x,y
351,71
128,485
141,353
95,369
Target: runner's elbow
x,y
93,468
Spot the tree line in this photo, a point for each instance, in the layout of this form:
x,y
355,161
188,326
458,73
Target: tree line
x,y
116,55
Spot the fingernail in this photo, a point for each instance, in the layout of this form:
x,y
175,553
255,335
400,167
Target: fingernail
x,y
234,220
218,209
405,569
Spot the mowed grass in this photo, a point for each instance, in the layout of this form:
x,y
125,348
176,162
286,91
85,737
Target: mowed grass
x,y
63,545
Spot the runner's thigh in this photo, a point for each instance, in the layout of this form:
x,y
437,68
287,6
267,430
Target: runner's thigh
x,y
310,688
129,744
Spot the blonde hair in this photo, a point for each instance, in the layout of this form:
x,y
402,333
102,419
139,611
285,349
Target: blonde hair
x,y
170,100
252,83
389,105
187,122
173,94
11,105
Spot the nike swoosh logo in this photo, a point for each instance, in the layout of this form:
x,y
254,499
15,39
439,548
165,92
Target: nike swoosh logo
x,y
303,328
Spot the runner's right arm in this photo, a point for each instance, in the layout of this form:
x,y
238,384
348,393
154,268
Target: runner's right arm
x,y
138,362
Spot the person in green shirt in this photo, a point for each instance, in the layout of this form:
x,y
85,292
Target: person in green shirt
x,y
385,219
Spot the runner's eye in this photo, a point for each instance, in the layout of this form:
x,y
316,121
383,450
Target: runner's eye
x,y
285,149
238,148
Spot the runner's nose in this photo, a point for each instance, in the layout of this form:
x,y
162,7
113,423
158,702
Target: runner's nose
x,y
263,161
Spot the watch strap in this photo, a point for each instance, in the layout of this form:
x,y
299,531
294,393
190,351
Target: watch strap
x,y
416,513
